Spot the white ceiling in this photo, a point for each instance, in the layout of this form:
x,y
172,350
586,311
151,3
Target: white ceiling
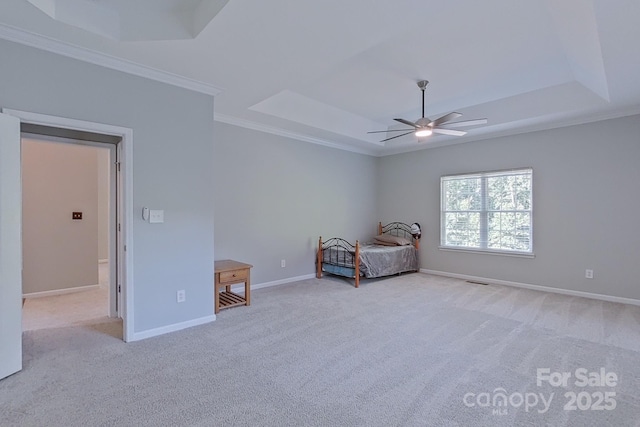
x,y
329,71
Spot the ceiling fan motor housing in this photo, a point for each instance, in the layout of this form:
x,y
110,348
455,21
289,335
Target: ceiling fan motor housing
x,y
423,122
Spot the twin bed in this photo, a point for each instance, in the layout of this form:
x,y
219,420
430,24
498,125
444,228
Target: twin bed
x,y
393,251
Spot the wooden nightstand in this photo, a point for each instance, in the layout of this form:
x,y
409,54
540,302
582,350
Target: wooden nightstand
x,y
228,272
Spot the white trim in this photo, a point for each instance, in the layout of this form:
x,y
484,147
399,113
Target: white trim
x,y
38,41
390,151
563,122
540,288
287,134
64,291
103,261
240,286
126,134
487,252
539,127
172,328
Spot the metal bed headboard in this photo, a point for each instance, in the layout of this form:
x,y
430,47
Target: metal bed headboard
x,y
399,229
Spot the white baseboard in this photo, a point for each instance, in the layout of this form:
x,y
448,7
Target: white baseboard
x,y
60,291
103,261
137,336
240,287
207,319
570,292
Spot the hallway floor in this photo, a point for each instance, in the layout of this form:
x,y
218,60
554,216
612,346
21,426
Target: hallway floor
x,y
74,309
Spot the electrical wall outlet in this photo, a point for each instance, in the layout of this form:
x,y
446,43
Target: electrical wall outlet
x,y
283,263
588,274
181,296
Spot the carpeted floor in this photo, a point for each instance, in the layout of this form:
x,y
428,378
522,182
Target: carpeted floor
x,y
413,350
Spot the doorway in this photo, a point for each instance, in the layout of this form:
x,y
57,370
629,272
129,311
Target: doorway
x,y
121,250
69,224
11,122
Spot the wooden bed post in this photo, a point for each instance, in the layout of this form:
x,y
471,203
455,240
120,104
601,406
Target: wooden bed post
x,y
319,259
417,243
379,228
357,262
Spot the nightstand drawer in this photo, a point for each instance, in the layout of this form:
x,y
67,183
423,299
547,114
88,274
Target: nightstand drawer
x,y
234,276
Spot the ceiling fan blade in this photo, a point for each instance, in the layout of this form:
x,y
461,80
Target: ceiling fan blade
x,y
406,122
445,118
466,123
390,130
449,132
397,136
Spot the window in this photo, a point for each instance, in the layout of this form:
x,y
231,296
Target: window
x,y
487,211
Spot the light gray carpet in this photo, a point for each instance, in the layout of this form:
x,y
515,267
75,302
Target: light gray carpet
x,y
397,352
73,309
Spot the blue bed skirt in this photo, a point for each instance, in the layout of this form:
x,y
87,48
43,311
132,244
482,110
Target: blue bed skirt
x,y
338,270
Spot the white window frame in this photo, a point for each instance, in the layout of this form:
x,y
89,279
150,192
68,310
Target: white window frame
x,y
483,212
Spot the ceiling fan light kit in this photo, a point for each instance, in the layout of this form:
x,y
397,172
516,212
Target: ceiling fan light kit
x,y
424,132
424,126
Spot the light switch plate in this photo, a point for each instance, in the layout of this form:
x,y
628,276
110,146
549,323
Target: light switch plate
x,y
156,216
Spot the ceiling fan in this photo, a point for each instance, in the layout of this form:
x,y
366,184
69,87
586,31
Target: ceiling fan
x,y
426,127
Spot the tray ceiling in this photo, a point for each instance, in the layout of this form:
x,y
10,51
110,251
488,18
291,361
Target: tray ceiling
x,y
328,72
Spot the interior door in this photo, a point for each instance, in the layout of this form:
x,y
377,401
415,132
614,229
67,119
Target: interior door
x,y
10,247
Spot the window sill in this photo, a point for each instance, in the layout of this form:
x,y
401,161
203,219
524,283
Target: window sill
x,y
487,252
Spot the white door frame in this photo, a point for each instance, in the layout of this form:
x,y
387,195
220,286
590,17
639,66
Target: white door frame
x,y
125,196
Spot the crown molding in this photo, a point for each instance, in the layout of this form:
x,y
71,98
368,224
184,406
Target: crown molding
x,y
39,41
551,124
288,134
565,122
561,122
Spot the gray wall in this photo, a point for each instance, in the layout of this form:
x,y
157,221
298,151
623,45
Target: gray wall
x,y
172,161
58,252
275,196
585,204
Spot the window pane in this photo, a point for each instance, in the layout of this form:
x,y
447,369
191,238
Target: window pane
x,y
523,201
523,231
462,194
501,226
463,229
494,238
505,192
509,231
